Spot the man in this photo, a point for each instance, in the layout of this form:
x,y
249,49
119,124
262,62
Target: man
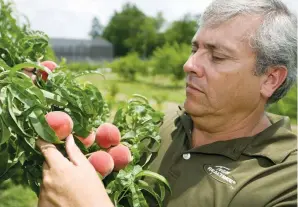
x,y
221,148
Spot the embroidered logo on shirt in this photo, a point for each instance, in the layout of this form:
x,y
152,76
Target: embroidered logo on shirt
x,y
220,173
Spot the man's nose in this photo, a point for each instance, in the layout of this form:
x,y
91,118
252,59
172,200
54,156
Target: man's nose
x,y
194,65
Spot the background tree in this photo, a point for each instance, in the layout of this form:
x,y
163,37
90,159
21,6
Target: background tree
x,y
183,30
123,28
130,30
96,28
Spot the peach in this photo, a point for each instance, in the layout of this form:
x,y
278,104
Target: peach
x,y
60,122
50,65
121,156
102,162
88,141
107,135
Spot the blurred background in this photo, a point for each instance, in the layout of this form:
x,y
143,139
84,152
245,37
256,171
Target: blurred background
x,y
139,45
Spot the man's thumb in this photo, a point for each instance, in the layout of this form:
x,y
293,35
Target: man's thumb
x,y
74,153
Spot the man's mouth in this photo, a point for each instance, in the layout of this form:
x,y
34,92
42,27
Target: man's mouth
x,y
193,87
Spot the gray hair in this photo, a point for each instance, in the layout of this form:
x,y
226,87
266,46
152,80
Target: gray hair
x,y
275,41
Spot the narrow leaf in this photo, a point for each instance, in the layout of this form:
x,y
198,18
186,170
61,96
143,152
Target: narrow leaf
x,y
156,176
28,65
88,73
10,118
54,98
4,156
40,125
145,186
4,65
5,133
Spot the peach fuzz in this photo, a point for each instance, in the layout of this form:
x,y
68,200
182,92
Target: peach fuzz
x,y
60,122
107,135
102,162
88,141
121,156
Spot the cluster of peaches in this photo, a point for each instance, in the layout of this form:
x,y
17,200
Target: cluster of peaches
x,y
113,155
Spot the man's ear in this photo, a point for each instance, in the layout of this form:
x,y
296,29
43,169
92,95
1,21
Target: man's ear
x,y
272,80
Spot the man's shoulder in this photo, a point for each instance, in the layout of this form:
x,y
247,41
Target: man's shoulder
x,y
277,142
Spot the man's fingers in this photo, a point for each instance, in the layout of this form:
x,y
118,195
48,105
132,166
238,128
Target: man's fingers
x,y
74,153
45,167
44,200
51,153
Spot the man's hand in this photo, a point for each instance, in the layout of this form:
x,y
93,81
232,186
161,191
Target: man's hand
x,y
70,183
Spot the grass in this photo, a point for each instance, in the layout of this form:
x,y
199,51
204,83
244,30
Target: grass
x,y
16,196
153,88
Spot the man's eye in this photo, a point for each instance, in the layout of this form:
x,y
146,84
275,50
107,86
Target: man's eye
x,y
216,58
193,50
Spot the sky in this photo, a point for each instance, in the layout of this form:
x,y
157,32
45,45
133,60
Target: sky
x,y
72,18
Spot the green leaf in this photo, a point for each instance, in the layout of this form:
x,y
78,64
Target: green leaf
x,y
21,90
145,186
143,98
138,198
88,73
3,64
128,135
4,75
28,144
118,116
154,175
155,145
10,118
80,124
82,147
114,189
28,111
10,171
87,105
34,177
28,65
162,191
147,159
68,96
116,197
54,98
33,90
40,125
96,99
5,55
135,150
5,133
4,156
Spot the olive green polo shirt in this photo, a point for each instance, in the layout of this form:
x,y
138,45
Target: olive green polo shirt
x,y
244,172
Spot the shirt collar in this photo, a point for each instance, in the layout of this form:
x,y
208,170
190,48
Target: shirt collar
x,y
275,143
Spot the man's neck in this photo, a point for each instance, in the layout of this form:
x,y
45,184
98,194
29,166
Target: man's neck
x,y
214,129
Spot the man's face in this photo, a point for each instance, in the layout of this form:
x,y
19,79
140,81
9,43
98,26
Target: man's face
x,y
220,71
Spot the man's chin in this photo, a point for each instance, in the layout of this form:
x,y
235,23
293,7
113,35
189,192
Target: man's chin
x,y
190,107
193,109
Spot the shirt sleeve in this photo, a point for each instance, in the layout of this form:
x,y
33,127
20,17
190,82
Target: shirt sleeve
x,y
288,199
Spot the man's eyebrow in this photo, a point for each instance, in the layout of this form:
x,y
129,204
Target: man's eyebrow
x,y
220,47
214,46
